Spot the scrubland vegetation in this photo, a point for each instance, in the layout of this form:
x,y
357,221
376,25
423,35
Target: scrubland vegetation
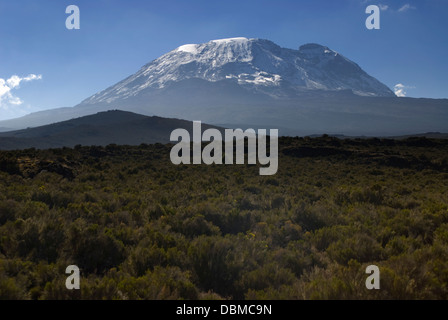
x,y
140,227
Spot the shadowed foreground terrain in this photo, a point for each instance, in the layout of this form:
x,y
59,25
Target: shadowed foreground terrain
x,y
140,227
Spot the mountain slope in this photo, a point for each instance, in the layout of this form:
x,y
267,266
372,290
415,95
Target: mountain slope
x,y
255,64
118,127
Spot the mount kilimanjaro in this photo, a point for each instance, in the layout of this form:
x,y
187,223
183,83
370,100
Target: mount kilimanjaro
x,y
240,82
257,65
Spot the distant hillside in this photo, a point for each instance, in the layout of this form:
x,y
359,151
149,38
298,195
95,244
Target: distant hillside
x,y
103,128
428,135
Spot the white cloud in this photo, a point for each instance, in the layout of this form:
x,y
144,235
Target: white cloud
x,y
6,97
385,7
400,89
15,101
406,7
13,82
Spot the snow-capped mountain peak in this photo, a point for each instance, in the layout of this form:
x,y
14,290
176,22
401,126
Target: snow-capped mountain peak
x,y
254,64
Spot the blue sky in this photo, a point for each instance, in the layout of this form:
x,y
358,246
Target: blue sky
x,y
56,67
